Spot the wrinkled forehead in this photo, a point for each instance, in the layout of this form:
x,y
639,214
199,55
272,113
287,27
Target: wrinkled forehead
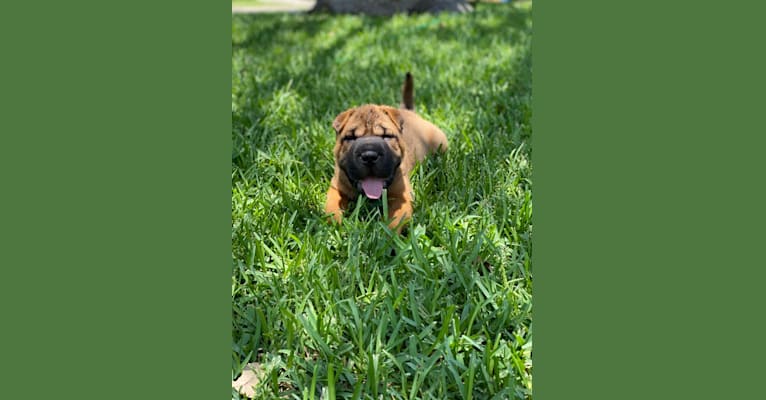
x,y
368,118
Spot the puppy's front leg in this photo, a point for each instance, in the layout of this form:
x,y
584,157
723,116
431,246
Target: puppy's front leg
x,y
336,203
400,209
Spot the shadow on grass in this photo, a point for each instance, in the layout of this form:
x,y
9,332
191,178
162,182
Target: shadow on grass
x,y
266,35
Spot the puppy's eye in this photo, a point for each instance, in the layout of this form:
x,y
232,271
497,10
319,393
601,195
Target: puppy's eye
x,y
350,136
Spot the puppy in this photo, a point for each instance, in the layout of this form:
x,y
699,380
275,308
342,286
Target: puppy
x,y
376,147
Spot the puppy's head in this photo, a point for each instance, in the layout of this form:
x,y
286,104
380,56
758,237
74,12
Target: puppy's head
x,y
368,147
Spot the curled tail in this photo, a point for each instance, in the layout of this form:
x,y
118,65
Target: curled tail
x,y
408,101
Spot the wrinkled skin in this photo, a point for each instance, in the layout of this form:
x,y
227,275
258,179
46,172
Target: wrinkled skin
x,y
370,150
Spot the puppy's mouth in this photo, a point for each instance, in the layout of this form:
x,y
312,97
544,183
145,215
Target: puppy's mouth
x,y
372,187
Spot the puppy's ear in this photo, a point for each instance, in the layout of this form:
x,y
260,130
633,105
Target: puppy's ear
x,y
341,119
395,115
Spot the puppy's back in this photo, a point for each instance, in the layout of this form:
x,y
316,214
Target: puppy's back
x,y
421,136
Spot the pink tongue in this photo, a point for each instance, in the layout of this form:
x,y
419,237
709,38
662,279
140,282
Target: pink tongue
x,y
373,187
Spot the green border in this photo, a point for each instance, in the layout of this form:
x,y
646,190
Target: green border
x,y
648,139
116,200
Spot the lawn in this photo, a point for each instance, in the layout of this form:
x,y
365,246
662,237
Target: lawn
x,y
355,311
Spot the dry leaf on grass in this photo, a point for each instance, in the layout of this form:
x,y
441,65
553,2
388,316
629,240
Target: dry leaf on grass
x,y
250,377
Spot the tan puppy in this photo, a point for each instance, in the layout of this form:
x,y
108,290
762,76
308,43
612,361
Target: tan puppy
x,y
376,147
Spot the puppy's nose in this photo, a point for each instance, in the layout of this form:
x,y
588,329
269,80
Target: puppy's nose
x,y
369,156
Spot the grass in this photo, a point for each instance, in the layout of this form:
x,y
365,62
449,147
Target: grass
x,y
333,312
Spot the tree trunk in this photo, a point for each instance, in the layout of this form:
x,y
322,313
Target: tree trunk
x,y
390,7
